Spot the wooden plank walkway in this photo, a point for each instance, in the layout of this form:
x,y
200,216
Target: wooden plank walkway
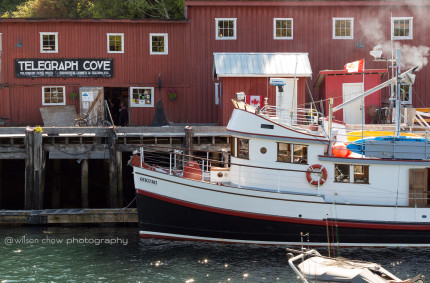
x,y
69,216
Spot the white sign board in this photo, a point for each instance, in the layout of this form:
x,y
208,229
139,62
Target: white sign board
x,y
87,96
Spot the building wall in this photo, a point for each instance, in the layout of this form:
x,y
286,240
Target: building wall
x,y
333,89
189,64
87,39
312,33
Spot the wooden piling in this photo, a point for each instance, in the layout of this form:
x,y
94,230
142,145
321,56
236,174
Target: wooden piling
x,y
84,183
189,140
1,184
39,171
113,176
120,188
29,165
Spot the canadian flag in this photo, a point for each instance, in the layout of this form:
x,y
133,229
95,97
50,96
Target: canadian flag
x,y
254,100
354,67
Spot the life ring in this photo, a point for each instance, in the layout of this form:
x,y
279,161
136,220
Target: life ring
x,y
316,168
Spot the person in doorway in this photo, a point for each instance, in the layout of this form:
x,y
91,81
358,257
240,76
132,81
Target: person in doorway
x,y
114,110
123,114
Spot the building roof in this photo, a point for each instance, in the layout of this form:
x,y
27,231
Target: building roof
x,y
324,73
312,3
262,65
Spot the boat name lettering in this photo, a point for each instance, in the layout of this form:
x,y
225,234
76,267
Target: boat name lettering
x,y
154,182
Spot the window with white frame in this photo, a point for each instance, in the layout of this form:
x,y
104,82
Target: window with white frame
x,y
158,43
53,95
343,28
48,42
401,28
225,29
142,97
115,42
283,28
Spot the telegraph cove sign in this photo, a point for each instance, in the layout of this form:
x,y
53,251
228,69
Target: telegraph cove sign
x,y
64,68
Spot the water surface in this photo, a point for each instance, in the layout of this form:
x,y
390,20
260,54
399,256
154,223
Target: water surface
x,y
107,254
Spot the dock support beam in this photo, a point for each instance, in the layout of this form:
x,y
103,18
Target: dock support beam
x,y
189,141
84,183
29,165
39,171
1,184
120,189
113,176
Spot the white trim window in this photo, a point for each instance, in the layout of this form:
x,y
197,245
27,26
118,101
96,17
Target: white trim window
x,y
343,28
48,42
158,44
401,28
141,96
282,28
115,42
53,95
225,28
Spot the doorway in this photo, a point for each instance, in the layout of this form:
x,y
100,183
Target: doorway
x,y
114,96
352,113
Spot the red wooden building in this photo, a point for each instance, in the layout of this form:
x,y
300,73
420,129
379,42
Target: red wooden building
x,y
134,61
342,86
140,61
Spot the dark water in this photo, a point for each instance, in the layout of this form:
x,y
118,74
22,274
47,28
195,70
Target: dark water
x,y
58,254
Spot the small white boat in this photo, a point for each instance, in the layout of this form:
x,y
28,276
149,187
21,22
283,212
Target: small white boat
x,y
317,268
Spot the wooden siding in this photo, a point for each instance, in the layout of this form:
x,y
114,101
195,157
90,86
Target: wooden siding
x,y
87,39
332,87
312,34
189,64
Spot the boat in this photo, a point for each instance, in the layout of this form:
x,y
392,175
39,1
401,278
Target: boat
x,y
317,268
402,147
358,135
282,178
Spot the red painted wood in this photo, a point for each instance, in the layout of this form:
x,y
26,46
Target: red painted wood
x,y
21,98
188,66
332,87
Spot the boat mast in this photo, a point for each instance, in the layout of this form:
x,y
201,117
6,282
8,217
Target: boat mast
x,y
398,99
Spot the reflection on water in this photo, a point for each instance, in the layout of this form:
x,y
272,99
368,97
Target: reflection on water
x,y
58,254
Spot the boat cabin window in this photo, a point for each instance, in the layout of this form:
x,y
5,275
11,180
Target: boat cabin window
x,y
300,153
341,173
243,148
361,174
284,152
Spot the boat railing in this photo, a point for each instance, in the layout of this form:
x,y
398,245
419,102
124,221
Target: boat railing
x,y
216,167
297,116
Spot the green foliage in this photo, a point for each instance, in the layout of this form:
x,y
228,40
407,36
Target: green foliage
x,y
102,9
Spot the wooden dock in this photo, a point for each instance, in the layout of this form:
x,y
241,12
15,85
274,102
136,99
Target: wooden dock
x,y
37,146
117,216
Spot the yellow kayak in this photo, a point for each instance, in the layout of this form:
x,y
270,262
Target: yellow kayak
x,y
353,136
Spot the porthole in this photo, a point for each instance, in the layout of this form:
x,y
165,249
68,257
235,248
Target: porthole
x,y
263,150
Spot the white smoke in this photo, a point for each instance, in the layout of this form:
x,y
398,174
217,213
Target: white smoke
x,y
411,55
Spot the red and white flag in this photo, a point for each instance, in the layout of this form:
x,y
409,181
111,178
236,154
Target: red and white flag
x,y
354,67
254,100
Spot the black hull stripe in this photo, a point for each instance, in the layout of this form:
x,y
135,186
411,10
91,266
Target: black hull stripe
x,y
161,219
324,222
